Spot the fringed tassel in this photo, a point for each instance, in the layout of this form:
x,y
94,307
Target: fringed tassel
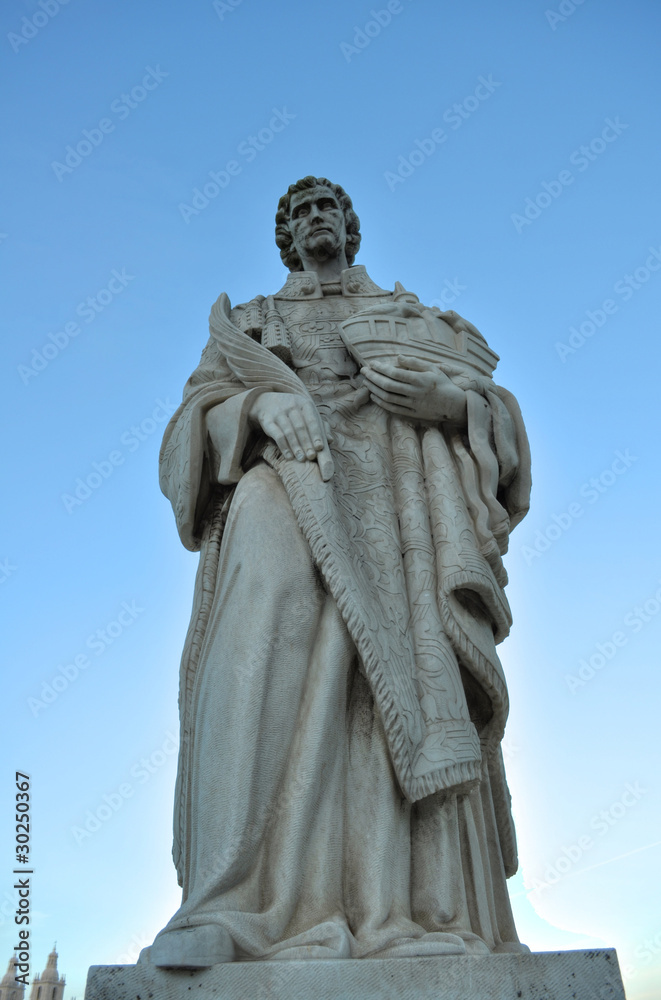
x,y
275,335
251,319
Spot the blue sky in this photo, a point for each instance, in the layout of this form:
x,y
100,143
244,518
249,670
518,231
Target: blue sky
x,y
447,125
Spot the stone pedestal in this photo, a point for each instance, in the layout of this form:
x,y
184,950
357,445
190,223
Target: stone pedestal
x,y
567,975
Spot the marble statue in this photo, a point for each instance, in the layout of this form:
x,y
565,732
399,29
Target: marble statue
x,y
350,473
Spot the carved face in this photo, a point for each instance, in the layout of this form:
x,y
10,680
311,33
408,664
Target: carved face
x,y
316,223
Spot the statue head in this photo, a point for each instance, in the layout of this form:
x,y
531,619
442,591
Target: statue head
x,y
283,234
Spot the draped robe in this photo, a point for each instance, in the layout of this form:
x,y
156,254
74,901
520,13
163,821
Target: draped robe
x,y
340,784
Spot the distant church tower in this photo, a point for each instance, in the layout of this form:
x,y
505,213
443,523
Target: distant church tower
x,y
48,986
9,988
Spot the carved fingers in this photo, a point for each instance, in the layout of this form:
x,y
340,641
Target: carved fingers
x,y
415,389
296,427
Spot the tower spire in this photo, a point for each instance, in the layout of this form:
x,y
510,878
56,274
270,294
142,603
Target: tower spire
x,y
9,988
49,985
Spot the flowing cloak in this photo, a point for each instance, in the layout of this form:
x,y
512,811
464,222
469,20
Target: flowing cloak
x,y
408,537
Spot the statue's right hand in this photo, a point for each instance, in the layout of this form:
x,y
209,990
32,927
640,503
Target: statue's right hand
x,y
295,425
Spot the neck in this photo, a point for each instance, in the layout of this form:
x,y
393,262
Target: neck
x,y
329,269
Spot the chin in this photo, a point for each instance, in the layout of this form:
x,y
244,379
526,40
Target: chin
x,y
324,246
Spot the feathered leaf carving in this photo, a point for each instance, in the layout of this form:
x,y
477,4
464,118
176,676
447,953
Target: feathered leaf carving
x,y
251,362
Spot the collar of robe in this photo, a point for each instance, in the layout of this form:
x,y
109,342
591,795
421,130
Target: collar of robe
x,y
355,281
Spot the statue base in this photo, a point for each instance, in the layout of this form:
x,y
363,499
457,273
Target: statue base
x,y
564,975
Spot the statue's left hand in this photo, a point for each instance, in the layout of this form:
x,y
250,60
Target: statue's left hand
x,y
415,389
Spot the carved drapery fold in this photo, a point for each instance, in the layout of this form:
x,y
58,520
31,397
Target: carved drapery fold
x,y
408,536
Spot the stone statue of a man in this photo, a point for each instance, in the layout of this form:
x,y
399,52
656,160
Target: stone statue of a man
x,y
350,473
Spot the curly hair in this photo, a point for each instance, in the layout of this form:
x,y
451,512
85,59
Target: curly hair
x,y
283,237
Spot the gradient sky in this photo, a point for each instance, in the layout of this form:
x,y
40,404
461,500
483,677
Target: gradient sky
x,y
109,277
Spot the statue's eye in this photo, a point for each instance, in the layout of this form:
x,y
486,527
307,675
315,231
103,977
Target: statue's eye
x,y
301,210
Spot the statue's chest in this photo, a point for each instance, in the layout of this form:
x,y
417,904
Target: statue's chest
x,y
318,351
